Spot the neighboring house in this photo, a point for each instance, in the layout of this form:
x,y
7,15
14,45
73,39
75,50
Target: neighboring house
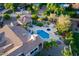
x,y
75,5
75,20
24,19
16,41
64,5
75,25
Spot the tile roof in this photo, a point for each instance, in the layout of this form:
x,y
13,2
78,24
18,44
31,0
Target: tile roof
x,y
20,39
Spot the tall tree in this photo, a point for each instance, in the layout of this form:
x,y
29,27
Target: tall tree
x,y
63,23
52,17
68,38
8,5
67,52
55,8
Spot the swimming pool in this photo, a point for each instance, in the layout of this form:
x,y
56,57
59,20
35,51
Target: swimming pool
x,y
43,34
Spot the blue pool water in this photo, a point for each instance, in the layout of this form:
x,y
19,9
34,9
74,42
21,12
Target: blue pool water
x,y
43,34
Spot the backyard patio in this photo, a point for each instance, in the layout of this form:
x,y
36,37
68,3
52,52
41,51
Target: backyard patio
x,y
51,32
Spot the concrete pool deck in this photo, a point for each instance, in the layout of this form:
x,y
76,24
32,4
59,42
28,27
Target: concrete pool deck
x,y
51,32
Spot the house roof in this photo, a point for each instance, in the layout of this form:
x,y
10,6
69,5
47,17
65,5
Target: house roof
x,y
75,19
25,37
12,37
21,33
75,5
25,19
20,38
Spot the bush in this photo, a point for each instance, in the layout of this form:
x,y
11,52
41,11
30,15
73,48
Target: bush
x,y
34,17
47,45
6,16
53,43
39,24
66,52
40,19
18,16
68,37
71,13
59,33
48,22
34,22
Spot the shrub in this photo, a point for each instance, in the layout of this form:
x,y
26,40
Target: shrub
x,y
47,45
6,16
60,33
66,52
48,22
34,22
34,17
39,24
18,16
68,37
71,13
40,19
63,23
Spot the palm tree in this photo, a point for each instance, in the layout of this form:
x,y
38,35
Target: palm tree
x,y
67,51
47,45
52,17
63,23
68,38
6,16
33,8
51,6
55,8
53,42
10,6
